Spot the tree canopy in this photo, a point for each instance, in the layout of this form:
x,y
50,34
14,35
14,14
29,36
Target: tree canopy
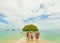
x,y
30,27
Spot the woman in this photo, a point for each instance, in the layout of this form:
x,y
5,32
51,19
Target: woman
x,y
31,35
28,35
37,35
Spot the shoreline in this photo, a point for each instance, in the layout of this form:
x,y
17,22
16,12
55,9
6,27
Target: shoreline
x,y
24,40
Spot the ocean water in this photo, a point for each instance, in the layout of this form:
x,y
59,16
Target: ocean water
x,y
10,36
53,36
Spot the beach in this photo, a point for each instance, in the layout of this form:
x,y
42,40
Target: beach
x,y
24,40
17,37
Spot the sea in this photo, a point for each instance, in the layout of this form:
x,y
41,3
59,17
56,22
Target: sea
x,y
10,36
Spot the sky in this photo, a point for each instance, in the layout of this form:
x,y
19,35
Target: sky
x,y
15,14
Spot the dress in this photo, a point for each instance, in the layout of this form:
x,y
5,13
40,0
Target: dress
x,y
37,35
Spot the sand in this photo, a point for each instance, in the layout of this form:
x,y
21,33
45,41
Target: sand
x,y
24,40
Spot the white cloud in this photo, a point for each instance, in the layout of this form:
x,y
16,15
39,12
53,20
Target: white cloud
x,y
47,24
18,10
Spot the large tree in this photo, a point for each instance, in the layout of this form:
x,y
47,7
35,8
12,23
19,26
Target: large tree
x,y
30,27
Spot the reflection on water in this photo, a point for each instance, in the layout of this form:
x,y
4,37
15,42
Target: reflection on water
x,y
32,41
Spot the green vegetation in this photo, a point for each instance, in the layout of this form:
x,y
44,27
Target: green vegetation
x,y
30,27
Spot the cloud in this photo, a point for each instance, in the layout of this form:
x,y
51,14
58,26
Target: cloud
x,y
43,13
2,20
44,17
2,15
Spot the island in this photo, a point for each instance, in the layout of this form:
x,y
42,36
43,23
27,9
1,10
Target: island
x,y
30,27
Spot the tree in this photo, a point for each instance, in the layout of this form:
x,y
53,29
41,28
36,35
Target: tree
x,y
30,27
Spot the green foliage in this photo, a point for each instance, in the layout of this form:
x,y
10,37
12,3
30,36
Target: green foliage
x,y
30,27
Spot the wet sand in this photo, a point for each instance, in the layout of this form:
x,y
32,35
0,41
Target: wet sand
x,y
24,40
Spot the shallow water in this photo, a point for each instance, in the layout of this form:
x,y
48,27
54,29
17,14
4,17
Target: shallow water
x,y
9,36
51,36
